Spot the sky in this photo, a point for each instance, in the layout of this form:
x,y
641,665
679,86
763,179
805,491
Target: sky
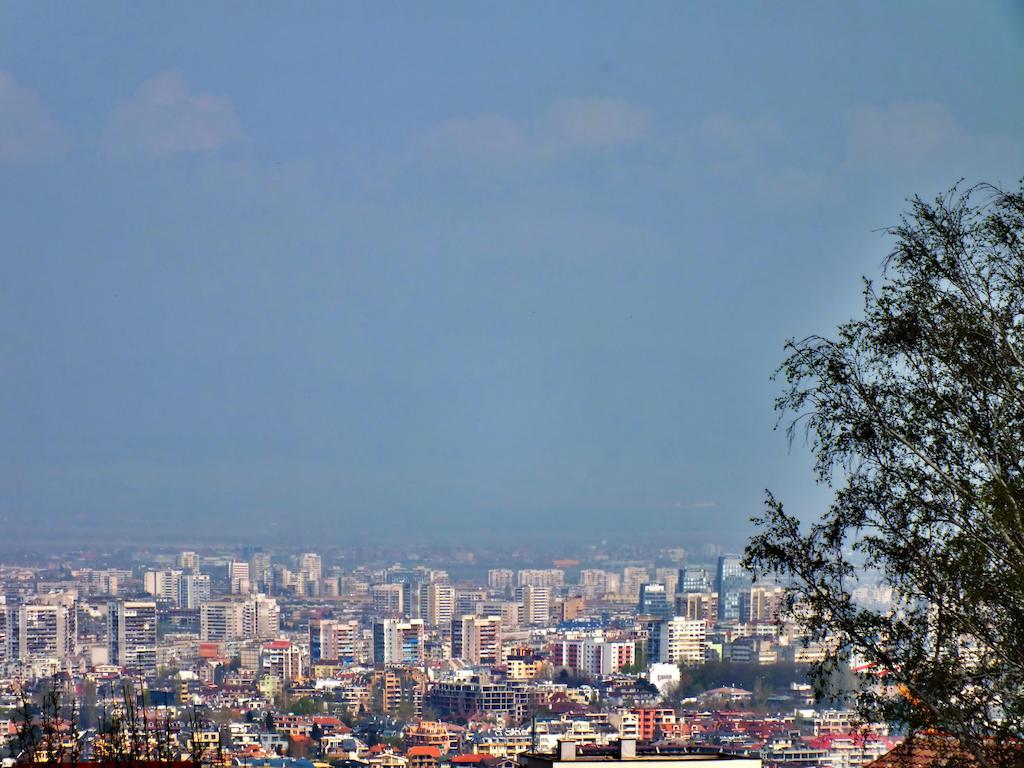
x,y
330,272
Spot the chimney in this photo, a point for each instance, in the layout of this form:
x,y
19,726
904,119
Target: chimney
x,y
627,749
566,750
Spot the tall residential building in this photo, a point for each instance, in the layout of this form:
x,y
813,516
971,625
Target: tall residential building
x,y
311,566
388,599
440,604
193,590
398,642
4,650
649,637
103,581
501,579
240,618
541,577
266,617
131,635
282,659
334,641
223,619
592,655
261,571
469,601
163,585
761,604
536,604
699,605
477,639
730,580
632,578
189,561
507,610
654,600
238,577
45,628
570,608
282,579
416,599
438,576
683,641
596,583
670,578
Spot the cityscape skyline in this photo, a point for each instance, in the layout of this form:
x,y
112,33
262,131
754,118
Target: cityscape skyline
x,y
291,655
530,385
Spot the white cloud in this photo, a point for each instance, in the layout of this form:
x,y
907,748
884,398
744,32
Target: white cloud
x,y
758,151
566,127
740,136
904,134
911,134
703,504
165,118
591,125
482,138
27,132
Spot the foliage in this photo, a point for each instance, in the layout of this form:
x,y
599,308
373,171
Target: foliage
x,y
915,415
694,680
573,679
304,706
50,732
298,747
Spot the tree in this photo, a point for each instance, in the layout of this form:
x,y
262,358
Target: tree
x,y
915,416
304,706
196,723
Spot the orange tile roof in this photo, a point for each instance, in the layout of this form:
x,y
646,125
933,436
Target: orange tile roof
x,y
423,751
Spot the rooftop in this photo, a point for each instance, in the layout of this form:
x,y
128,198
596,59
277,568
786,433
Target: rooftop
x,y
629,751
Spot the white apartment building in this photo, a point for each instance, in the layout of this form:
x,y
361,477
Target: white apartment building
x,y
163,585
240,618
388,599
45,628
310,566
683,641
131,635
440,604
541,577
335,641
536,603
189,561
477,639
398,642
193,590
501,579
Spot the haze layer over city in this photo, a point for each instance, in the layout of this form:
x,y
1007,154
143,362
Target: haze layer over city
x,y
332,273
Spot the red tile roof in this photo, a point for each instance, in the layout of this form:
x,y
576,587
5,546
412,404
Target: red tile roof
x,y
423,751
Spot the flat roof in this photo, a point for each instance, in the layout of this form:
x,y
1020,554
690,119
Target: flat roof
x,y
666,755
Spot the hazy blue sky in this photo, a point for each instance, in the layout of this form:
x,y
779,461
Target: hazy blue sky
x,y
334,269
